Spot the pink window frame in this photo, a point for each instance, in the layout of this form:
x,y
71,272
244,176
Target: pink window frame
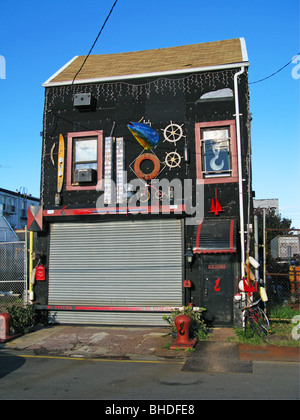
x,y
81,134
233,152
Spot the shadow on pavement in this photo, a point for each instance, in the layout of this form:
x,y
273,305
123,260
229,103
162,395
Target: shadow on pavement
x,y
9,363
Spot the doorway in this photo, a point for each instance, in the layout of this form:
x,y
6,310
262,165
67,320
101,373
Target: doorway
x,y
217,279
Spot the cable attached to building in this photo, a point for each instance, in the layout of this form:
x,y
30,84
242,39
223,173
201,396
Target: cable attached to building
x,y
107,17
273,74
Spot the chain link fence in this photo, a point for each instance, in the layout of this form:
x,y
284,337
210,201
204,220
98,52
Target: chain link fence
x,y
282,269
13,274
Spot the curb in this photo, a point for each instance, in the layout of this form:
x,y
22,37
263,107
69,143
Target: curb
x,y
269,353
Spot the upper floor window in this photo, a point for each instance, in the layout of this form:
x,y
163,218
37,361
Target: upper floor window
x,y
85,153
216,156
84,160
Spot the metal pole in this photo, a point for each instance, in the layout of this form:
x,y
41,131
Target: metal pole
x,y
30,263
25,299
240,172
256,254
264,249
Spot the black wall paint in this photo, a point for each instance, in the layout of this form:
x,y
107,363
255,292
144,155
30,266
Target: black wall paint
x,y
158,101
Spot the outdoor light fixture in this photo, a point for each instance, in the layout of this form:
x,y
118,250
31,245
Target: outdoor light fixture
x,y
189,257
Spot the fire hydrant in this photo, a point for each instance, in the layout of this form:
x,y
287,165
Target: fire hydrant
x,y
182,323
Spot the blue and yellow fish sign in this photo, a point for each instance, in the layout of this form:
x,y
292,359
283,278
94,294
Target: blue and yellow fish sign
x,y
145,135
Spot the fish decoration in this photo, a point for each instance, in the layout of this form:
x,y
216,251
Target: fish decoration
x,y
145,135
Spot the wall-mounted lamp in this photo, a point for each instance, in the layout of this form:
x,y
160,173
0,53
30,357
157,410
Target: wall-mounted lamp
x,y
189,258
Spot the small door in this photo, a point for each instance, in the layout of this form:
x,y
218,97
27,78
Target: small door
x,y
216,288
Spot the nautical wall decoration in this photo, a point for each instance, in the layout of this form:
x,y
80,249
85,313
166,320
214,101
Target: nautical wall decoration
x,y
173,159
148,139
215,206
156,166
144,134
173,133
60,169
216,151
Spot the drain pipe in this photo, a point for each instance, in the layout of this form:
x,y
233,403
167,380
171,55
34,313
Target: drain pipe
x,y
240,174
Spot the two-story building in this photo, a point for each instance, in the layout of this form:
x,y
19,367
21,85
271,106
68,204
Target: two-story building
x,y
14,206
145,185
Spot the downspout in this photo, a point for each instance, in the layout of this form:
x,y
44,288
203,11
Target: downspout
x,y
240,174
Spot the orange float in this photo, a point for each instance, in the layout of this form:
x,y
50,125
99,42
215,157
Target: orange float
x,y
138,162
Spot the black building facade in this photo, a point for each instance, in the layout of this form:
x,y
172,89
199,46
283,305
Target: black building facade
x,y
145,185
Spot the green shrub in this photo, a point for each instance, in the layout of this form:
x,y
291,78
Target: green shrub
x,y
23,317
198,327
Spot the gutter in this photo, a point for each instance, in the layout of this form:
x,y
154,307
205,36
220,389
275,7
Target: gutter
x,y
240,174
48,83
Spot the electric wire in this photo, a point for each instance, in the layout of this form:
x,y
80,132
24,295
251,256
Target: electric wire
x,y
92,47
273,74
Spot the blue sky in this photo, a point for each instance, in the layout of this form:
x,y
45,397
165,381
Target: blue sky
x,y
38,37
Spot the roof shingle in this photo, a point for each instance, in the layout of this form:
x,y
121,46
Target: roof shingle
x,y
163,60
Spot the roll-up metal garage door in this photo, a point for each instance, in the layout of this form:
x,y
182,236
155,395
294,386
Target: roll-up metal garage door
x,y
115,264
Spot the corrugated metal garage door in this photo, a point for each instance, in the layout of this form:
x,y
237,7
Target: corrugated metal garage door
x,y
121,263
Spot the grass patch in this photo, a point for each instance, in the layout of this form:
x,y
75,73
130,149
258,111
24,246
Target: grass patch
x,y
282,312
281,335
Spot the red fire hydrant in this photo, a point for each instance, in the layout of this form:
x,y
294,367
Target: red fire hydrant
x,y
5,327
182,323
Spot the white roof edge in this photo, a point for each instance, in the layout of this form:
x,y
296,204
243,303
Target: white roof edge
x,y
139,76
60,70
244,49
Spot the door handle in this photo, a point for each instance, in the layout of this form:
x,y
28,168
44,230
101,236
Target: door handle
x,y
206,287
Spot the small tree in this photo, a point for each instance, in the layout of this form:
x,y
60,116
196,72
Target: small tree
x,y
273,221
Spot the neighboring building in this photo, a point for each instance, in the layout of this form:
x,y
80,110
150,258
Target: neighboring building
x,y
14,205
147,207
7,234
267,203
285,248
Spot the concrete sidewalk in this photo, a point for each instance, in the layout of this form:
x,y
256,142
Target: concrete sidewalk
x,y
132,343
97,342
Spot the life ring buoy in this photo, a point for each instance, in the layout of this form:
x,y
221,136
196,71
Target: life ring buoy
x,y
138,162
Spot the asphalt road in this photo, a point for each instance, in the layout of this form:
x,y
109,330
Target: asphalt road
x,y
29,377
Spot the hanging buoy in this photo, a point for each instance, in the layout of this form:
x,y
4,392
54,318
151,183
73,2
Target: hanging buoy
x,y
263,294
32,277
253,262
138,162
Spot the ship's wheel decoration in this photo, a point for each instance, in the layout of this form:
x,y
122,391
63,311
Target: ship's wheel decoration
x,y
173,132
173,159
